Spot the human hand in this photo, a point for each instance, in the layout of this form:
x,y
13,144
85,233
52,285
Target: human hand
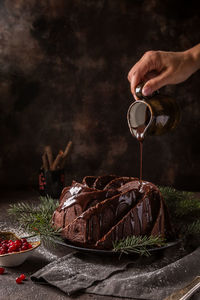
x,y
159,68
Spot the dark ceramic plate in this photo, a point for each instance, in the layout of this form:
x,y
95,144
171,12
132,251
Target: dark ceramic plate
x,y
66,243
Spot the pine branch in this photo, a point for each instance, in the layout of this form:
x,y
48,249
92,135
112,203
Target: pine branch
x,y
21,208
193,228
184,209
37,219
138,244
181,203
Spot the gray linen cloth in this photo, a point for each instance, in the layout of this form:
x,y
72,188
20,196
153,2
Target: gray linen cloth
x,y
151,278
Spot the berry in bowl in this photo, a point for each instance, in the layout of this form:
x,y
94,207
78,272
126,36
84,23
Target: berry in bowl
x,y
14,250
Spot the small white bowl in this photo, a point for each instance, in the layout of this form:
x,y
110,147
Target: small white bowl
x,y
15,258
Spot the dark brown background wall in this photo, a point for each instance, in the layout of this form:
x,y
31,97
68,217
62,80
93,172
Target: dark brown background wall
x,y
63,75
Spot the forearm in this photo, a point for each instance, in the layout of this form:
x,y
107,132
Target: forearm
x,y
194,55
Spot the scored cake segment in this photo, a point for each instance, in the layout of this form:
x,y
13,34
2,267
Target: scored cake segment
x,y
97,221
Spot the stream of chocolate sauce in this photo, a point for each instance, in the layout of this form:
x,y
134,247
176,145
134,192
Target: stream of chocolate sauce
x,y
140,130
141,150
140,137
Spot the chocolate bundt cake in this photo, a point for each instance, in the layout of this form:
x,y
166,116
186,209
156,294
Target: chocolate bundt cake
x,y
104,209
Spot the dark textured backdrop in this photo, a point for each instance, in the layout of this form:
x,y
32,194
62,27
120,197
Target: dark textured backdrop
x,y
63,72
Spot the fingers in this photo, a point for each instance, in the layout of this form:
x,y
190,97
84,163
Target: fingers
x,y
137,76
135,80
139,71
156,83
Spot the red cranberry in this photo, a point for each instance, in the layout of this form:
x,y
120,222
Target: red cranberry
x,y
2,271
18,243
12,248
24,240
18,280
4,247
22,277
24,247
2,252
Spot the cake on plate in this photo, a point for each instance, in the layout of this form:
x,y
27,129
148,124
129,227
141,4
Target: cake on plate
x,y
104,209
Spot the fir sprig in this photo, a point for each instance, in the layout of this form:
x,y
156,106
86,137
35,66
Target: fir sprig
x,y
36,220
193,228
138,244
184,209
181,203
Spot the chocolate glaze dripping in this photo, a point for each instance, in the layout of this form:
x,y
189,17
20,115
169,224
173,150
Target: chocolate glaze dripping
x,y
140,130
141,150
140,137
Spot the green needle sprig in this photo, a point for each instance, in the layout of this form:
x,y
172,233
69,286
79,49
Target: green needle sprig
x,y
184,210
37,220
181,203
193,228
138,244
